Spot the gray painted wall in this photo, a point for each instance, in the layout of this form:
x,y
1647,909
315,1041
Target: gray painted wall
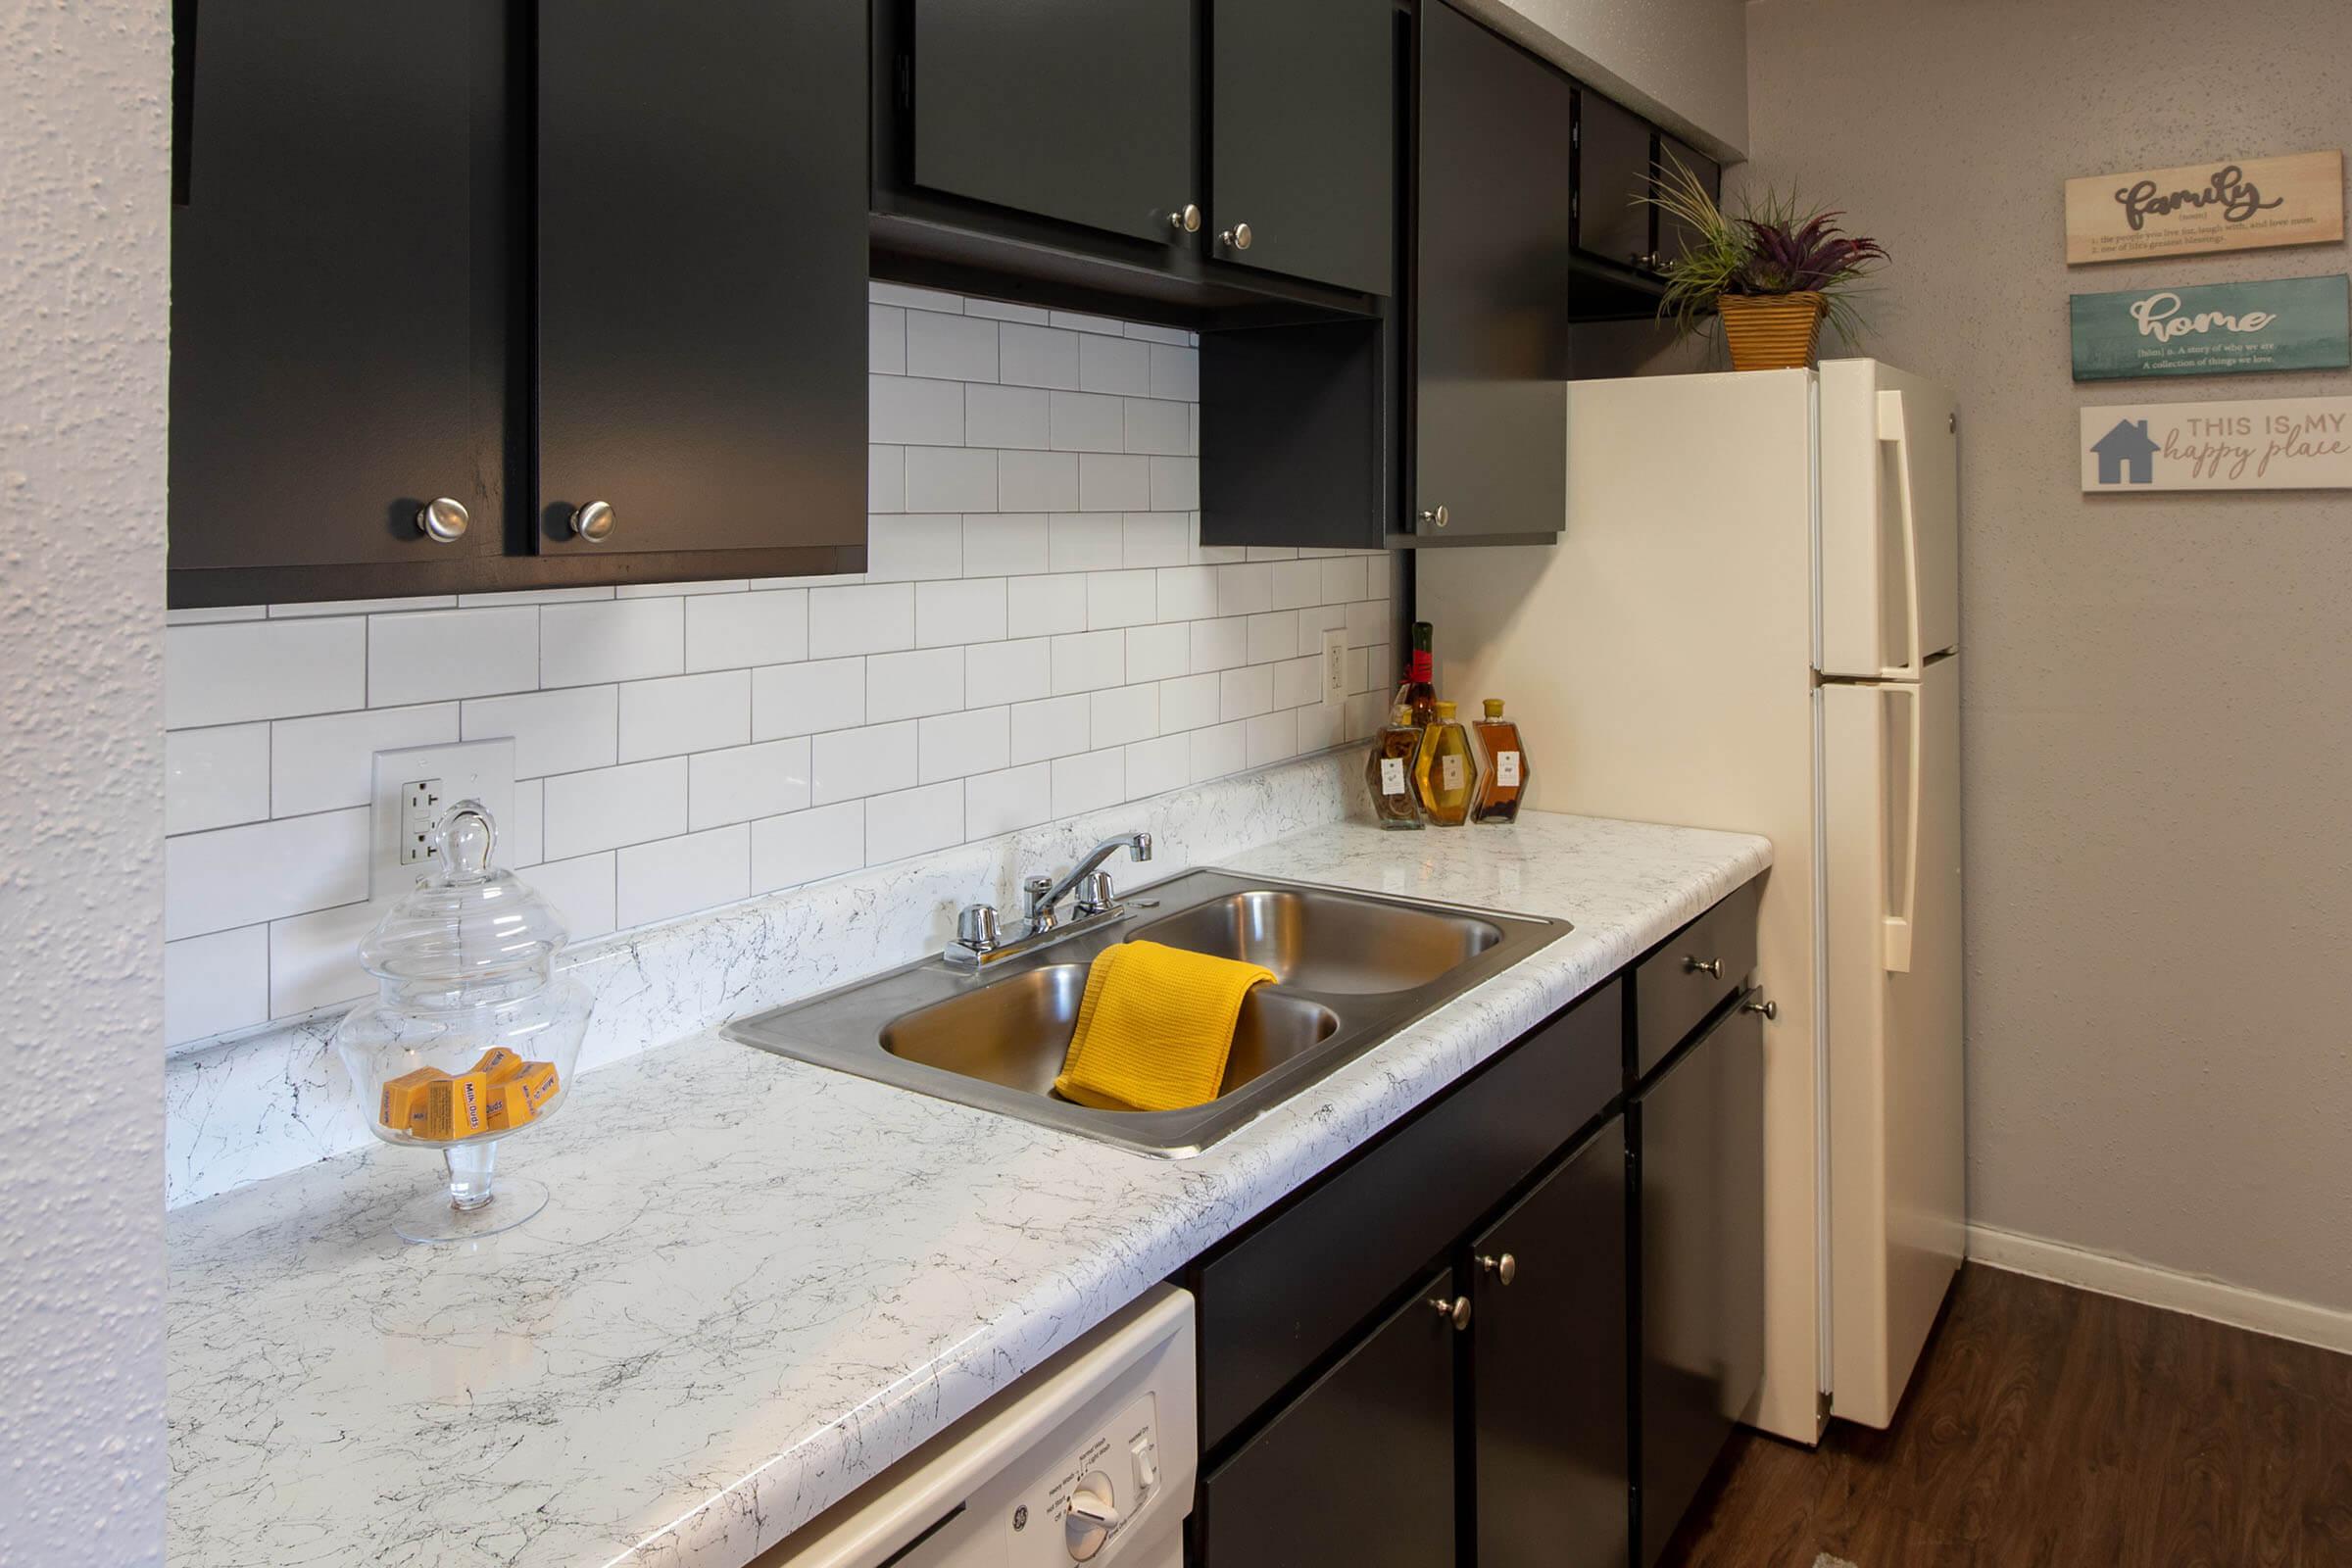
x,y
2158,809
1681,62
84,212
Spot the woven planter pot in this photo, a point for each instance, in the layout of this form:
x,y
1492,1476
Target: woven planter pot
x,y
1770,332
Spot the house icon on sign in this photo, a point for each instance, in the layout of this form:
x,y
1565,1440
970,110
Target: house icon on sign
x,y
2128,443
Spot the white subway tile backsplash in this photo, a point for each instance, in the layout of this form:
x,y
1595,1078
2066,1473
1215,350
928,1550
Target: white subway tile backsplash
x,y
215,983
953,348
1037,356
1089,780
912,685
744,782
531,596
1186,593
735,631
1175,484
849,763
317,764
1052,726
1124,713
1343,579
1156,538
951,613
1084,661
1318,727
1078,322
1119,598
808,845
914,299
236,876
315,958
1273,636
1037,481
1220,644
942,480
869,618
562,732
808,698
1217,751
239,670
682,590
1157,426
1006,545
1188,701
975,740
907,411
677,877
886,339
1155,652
1002,801
626,639
1245,590
1004,311
610,807
1245,692
1108,482
215,614
1298,682
1007,672
1079,541
522,832
1118,365
1152,333
361,607
1005,417
1087,422
1367,624
1270,737
441,653
1042,606
885,488
215,778
914,822
1156,766
582,892
1175,373
685,714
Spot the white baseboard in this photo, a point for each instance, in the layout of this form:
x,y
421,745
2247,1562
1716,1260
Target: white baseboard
x,y
2327,1327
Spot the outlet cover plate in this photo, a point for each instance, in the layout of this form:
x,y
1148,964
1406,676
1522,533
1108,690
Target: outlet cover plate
x,y
480,770
1335,667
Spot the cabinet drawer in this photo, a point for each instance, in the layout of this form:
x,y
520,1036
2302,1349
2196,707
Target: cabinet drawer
x,y
1286,1294
1690,973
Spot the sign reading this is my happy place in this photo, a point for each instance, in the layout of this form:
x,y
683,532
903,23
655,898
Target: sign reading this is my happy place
x,y
2276,444
2225,204
2283,323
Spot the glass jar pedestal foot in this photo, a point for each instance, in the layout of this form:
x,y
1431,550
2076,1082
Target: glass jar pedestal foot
x,y
472,1205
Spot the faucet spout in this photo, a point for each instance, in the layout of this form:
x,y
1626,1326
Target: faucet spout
x,y
1045,897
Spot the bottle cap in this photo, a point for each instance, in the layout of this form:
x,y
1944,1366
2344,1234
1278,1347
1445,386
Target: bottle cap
x,y
1444,709
1494,708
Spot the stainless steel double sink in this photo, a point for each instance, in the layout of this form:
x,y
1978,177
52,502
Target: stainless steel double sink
x,y
1350,970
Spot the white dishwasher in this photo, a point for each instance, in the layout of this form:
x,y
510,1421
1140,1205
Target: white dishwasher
x,y
1088,1458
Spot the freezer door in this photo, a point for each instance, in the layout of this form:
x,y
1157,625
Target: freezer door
x,y
1897,1170
1890,522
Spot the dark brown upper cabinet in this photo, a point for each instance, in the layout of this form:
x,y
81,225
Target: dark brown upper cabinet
x,y
1303,139
702,271
341,307
387,380
1613,155
1674,236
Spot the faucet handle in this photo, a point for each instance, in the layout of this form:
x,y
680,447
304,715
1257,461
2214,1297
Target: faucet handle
x,y
1035,893
1094,893
976,929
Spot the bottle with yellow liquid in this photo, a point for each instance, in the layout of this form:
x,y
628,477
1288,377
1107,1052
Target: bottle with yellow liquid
x,y
1446,774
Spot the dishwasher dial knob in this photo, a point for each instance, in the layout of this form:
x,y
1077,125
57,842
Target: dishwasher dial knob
x,y
1093,1513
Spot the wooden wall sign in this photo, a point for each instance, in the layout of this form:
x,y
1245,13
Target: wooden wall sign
x,y
2281,323
2224,205
2275,444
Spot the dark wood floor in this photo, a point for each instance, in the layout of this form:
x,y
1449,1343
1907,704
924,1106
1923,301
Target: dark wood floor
x,y
2050,1428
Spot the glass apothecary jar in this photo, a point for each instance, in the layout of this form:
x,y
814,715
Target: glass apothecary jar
x,y
473,1037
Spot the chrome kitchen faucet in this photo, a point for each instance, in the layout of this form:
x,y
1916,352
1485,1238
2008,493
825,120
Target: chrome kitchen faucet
x,y
977,925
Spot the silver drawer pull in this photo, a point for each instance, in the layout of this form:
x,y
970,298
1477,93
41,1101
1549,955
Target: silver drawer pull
x,y
1707,966
1455,1311
1769,1010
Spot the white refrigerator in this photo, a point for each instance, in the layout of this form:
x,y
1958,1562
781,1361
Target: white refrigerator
x,y
1751,621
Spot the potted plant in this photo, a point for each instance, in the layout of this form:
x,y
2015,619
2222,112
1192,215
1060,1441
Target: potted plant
x,y
1773,274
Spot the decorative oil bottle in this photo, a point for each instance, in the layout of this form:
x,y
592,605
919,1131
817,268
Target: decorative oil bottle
x,y
1388,771
1417,690
1507,776
1445,777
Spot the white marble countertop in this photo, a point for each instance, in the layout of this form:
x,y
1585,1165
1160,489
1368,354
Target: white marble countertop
x,y
760,1282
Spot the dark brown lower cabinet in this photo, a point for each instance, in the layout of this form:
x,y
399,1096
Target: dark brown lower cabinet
x,y
1699,1138
1360,1469
1548,1369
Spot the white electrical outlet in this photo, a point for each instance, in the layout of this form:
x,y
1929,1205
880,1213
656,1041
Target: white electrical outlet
x,y
1335,667
414,785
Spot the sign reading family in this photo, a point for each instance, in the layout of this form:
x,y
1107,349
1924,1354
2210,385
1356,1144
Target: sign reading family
x,y
2279,444
2228,205
2282,323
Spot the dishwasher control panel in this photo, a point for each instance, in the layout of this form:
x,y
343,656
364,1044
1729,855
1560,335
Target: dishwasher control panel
x,y
1083,1506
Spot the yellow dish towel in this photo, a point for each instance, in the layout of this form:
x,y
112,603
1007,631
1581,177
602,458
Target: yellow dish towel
x,y
1155,1028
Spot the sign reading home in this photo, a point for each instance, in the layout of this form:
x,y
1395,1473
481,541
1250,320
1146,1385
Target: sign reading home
x,y
2276,444
2285,324
2226,205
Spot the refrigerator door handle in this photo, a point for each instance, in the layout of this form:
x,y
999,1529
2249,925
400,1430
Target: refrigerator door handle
x,y
1898,926
1895,431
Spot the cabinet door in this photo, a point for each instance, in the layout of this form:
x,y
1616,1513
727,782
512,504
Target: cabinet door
x,y
1612,178
1066,109
1303,138
1674,236
1548,1370
1700,1136
1358,1469
1491,442
702,274
338,246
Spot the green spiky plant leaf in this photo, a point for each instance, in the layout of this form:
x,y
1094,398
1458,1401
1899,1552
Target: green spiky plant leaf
x,y
1774,246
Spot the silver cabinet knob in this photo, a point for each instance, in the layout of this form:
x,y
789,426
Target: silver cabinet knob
x,y
1455,1311
1186,219
1235,238
593,521
442,520
1769,1010
976,928
1708,967
1504,1268
1436,516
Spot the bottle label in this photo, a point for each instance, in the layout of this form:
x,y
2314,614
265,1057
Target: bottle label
x,y
1392,776
1423,665
1449,771
1507,769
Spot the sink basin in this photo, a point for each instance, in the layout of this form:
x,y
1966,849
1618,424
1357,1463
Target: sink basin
x,y
1329,942
1350,970
1017,1031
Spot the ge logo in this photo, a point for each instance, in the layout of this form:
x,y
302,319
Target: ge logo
x,y
1020,1517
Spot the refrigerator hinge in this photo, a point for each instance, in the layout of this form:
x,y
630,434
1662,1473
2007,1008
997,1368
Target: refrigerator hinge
x,y
1821,1413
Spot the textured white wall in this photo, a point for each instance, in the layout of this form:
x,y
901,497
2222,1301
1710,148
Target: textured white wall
x,y
84,209
2158,809
1681,62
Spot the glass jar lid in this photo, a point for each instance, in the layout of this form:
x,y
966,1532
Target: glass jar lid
x,y
465,922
